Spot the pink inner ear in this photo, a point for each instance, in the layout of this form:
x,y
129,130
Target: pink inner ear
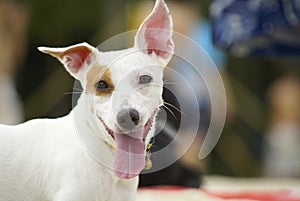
x,y
75,58
160,49
157,32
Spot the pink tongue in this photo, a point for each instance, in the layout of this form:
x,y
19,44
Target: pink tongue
x,y
130,157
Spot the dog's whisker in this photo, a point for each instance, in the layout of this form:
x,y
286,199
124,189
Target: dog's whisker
x,y
173,106
171,83
73,92
78,89
172,113
159,85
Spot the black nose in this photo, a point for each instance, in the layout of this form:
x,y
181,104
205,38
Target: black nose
x,y
128,118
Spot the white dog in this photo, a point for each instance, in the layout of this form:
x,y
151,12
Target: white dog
x,y
52,160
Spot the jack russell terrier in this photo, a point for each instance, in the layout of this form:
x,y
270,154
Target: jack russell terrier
x,y
46,160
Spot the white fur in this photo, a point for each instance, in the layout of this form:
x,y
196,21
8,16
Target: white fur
x,y
46,160
43,160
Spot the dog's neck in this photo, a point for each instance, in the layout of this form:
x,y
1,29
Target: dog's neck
x,y
83,116
93,137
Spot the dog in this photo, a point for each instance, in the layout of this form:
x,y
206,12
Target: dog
x,y
51,159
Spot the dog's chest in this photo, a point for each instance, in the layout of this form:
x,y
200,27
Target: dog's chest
x,y
93,180
100,183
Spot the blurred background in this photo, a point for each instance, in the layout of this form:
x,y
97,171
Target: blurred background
x,y
262,131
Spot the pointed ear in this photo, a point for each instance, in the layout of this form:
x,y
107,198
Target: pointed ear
x,y
74,58
154,36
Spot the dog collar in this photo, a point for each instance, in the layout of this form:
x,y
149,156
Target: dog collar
x,y
148,164
110,145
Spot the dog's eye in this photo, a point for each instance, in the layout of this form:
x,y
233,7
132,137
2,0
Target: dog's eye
x,y
145,79
102,86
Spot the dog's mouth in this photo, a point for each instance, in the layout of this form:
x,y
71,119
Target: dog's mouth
x,y
108,130
130,149
147,128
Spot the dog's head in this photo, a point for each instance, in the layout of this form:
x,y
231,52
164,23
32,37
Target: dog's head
x,y
124,88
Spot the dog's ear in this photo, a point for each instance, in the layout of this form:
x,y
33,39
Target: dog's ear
x,y
154,36
74,58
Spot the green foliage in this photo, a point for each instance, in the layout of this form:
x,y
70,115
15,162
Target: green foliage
x,y
64,21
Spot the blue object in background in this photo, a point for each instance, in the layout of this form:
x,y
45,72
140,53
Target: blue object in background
x,y
257,27
202,35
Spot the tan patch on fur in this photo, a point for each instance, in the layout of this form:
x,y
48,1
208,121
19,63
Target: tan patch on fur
x,y
96,74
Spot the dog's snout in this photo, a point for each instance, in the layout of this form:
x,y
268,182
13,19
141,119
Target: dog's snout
x,y
128,118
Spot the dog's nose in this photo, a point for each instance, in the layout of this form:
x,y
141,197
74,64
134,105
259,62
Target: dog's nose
x,y
128,118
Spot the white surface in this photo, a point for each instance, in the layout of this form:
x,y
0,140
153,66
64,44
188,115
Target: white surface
x,y
217,183
184,195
